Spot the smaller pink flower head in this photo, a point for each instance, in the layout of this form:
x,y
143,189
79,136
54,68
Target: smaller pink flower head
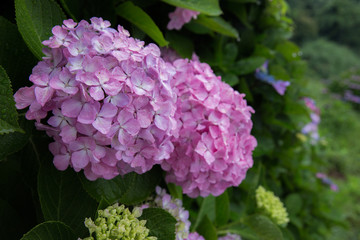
x,y
181,16
214,147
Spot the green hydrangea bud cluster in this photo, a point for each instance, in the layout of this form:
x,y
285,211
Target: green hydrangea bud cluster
x,y
117,222
272,206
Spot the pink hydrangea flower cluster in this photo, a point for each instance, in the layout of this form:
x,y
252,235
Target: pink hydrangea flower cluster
x,y
181,16
214,148
108,100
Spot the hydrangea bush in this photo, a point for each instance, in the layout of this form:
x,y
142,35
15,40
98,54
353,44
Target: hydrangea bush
x,y
180,100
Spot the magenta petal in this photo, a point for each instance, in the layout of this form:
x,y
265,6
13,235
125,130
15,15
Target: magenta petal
x,y
124,137
24,97
201,148
43,94
124,116
103,125
108,110
71,108
132,127
162,122
87,114
68,134
96,93
209,158
144,118
80,159
61,162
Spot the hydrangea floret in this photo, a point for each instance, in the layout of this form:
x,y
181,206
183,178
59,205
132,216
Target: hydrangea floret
x,y
262,74
175,208
181,16
271,205
118,223
214,148
312,128
327,181
230,236
104,97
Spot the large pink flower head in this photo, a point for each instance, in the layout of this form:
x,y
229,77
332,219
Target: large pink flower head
x,y
214,148
109,97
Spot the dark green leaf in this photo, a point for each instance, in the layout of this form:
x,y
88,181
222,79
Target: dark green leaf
x,y
240,11
72,8
293,203
230,53
247,65
160,223
35,19
230,79
9,228
181,44
207,206
62,198
217,24
175,191
14,54
244,88
207,229
142,20
263,227
208,7
129,189
197,28
222,209
51,230
13,142
8,114
289,50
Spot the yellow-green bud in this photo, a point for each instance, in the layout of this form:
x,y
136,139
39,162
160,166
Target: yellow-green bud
x,y
272,206
117,222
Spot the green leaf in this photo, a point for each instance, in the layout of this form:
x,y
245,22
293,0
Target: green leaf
x,y
62,198
72,7
230,79
35,19
263,227
293,203
51,230
244,88
14,54
222,209
289,50
207,229
129,189
247,65
217,24
207,206
230,53
208,7
160,223
142,20
181,44
175,191
8,114
13,142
